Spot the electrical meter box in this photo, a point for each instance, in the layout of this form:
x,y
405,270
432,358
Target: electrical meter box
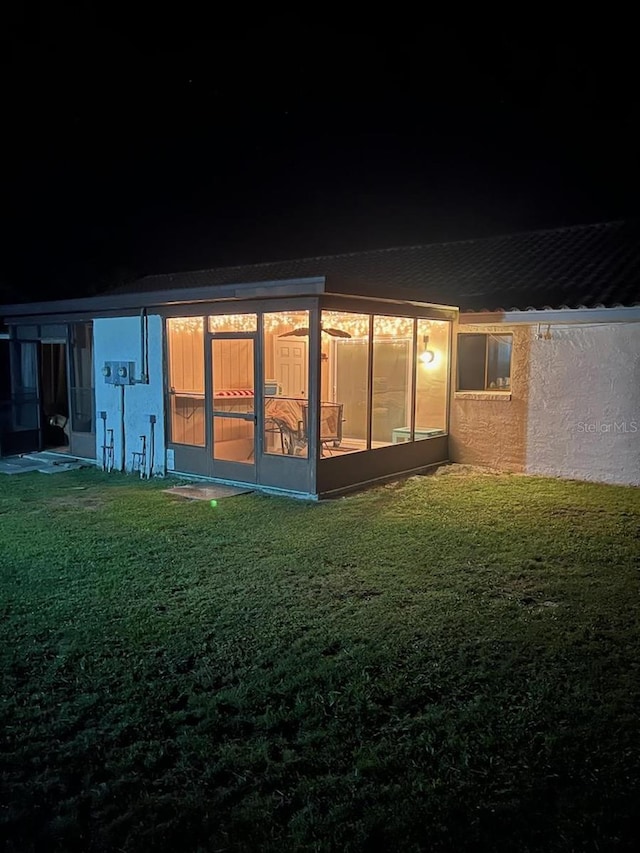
x,y
119,372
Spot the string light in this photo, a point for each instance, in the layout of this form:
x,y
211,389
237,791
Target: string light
x,y
393,327
233,323
356,325
186,325
290,319
239,322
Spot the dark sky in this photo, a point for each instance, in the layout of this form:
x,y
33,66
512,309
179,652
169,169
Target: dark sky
x,y
135,149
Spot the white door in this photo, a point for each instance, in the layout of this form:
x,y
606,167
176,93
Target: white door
x,y
291,366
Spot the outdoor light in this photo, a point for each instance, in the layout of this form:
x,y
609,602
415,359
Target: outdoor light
x,y
427,355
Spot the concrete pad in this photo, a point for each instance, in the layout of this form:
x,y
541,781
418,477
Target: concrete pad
x,y
44,463
214,491
8,468
58,468
21,461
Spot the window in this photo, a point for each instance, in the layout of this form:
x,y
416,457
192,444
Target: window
x,y
392,368
432,375
484,362
409,365
186,379
233,323
285,360
24,373
344,382
5,375
82,393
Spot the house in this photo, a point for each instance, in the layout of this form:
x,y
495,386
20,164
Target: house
x,y
319,375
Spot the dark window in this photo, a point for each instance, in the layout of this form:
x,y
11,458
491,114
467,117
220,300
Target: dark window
x,y
5,372
484,362
5,389
24,385
82,392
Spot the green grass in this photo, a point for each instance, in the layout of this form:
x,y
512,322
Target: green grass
x,y
449,663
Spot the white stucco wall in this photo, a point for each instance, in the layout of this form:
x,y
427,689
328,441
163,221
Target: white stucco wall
x,y
584,403
118,339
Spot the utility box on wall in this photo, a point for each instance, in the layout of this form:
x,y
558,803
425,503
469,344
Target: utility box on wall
x,y
119,372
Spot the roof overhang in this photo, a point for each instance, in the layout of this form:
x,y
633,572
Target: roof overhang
x,y
182,296
109,304
558,316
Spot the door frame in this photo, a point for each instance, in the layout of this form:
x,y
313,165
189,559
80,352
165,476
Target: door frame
x,y
224,469
81,444
16,439
49,341
287,473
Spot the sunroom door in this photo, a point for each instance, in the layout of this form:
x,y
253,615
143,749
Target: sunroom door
x,y
233,407
188,452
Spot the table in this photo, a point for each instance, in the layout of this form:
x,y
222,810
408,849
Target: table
x,y
400,435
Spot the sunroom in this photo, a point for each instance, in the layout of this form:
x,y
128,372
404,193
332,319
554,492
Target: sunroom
x,y
285,384
312,396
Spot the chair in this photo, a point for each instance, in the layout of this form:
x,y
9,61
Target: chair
x,y
331,421
283,415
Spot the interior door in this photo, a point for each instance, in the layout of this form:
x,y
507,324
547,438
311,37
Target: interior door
x,y
233,432
291,366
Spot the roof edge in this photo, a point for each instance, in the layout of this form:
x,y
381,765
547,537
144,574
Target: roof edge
x,y
565,316
115,301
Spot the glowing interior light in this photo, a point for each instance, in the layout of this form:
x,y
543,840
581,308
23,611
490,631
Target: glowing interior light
x,y
290,319
393,327
186,325
233,323
427,355
356,325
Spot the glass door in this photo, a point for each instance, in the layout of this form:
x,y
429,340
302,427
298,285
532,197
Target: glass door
x,y
233,407
24,431
81,388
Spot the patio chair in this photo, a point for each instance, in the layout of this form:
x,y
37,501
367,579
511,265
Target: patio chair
x,y
331,421
283,416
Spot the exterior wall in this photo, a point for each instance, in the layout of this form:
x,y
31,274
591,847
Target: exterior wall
x,y
573,410
118,339
584,405
490,428
355,470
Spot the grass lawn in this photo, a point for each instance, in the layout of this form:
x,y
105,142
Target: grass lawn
x,y
448,663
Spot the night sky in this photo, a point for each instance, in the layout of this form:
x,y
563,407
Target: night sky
x,y
136,149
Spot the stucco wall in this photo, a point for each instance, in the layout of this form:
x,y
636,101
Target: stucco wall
x,y
584,403
118,339
491,428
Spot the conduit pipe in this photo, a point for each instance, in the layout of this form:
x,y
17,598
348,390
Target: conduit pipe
x,y
152,442
144,347
103,416
123,453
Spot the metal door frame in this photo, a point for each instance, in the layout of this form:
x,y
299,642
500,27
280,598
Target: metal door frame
x,y
223,469
17,440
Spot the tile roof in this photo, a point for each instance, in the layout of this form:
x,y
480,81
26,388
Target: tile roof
x,y
578,266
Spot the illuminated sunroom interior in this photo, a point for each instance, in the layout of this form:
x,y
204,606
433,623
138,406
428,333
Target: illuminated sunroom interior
x,y
390,392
